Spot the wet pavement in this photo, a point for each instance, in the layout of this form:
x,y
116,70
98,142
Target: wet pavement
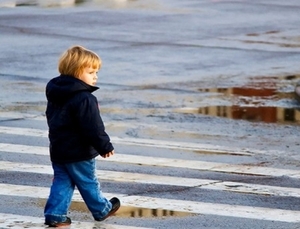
x,y
214,72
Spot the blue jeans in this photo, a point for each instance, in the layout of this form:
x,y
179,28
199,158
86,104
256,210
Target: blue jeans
x,y
66,177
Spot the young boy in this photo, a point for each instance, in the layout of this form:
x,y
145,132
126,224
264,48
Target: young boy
x,y
77,135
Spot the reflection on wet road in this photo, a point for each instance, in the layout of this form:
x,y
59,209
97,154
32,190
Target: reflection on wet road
x,y
263,99
136,212
128,211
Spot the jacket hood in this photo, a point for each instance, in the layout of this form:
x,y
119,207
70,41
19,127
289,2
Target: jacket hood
x,y
63,87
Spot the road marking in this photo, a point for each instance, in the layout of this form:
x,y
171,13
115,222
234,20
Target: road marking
x,y
20,221
16,116
164,180
168,162
139,142
238,211
206,148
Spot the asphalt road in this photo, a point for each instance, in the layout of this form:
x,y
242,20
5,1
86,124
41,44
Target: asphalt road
x,y
197,96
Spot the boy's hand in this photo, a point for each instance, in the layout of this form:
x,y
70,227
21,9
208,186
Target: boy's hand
x,y
108,154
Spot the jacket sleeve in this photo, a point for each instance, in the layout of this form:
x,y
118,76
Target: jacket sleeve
x,y
91,125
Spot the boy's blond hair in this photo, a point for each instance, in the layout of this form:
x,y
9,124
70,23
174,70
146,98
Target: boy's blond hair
x,y
75,59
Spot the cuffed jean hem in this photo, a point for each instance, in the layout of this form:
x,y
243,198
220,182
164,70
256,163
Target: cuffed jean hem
x,y
56,218
100,215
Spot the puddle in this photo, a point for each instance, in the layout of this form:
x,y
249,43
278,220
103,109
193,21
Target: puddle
x,y
263,99
129,212
144,212
254,114
135,212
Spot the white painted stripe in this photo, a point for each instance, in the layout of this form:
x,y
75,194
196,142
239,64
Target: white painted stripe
x,y
204,166
239,211
23,131
17,115
167,162
206,148
165,180
21,221
138,142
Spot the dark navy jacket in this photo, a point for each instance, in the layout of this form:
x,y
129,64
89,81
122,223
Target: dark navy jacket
x,y
76,130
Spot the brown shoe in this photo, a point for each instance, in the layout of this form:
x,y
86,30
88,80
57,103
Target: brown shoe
x,y
116,204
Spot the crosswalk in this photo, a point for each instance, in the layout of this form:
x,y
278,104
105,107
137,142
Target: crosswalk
x,y
166,205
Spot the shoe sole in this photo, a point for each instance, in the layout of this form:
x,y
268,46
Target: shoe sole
x,y
59,225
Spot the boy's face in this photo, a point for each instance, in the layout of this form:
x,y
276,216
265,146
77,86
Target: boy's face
x,y
89,76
